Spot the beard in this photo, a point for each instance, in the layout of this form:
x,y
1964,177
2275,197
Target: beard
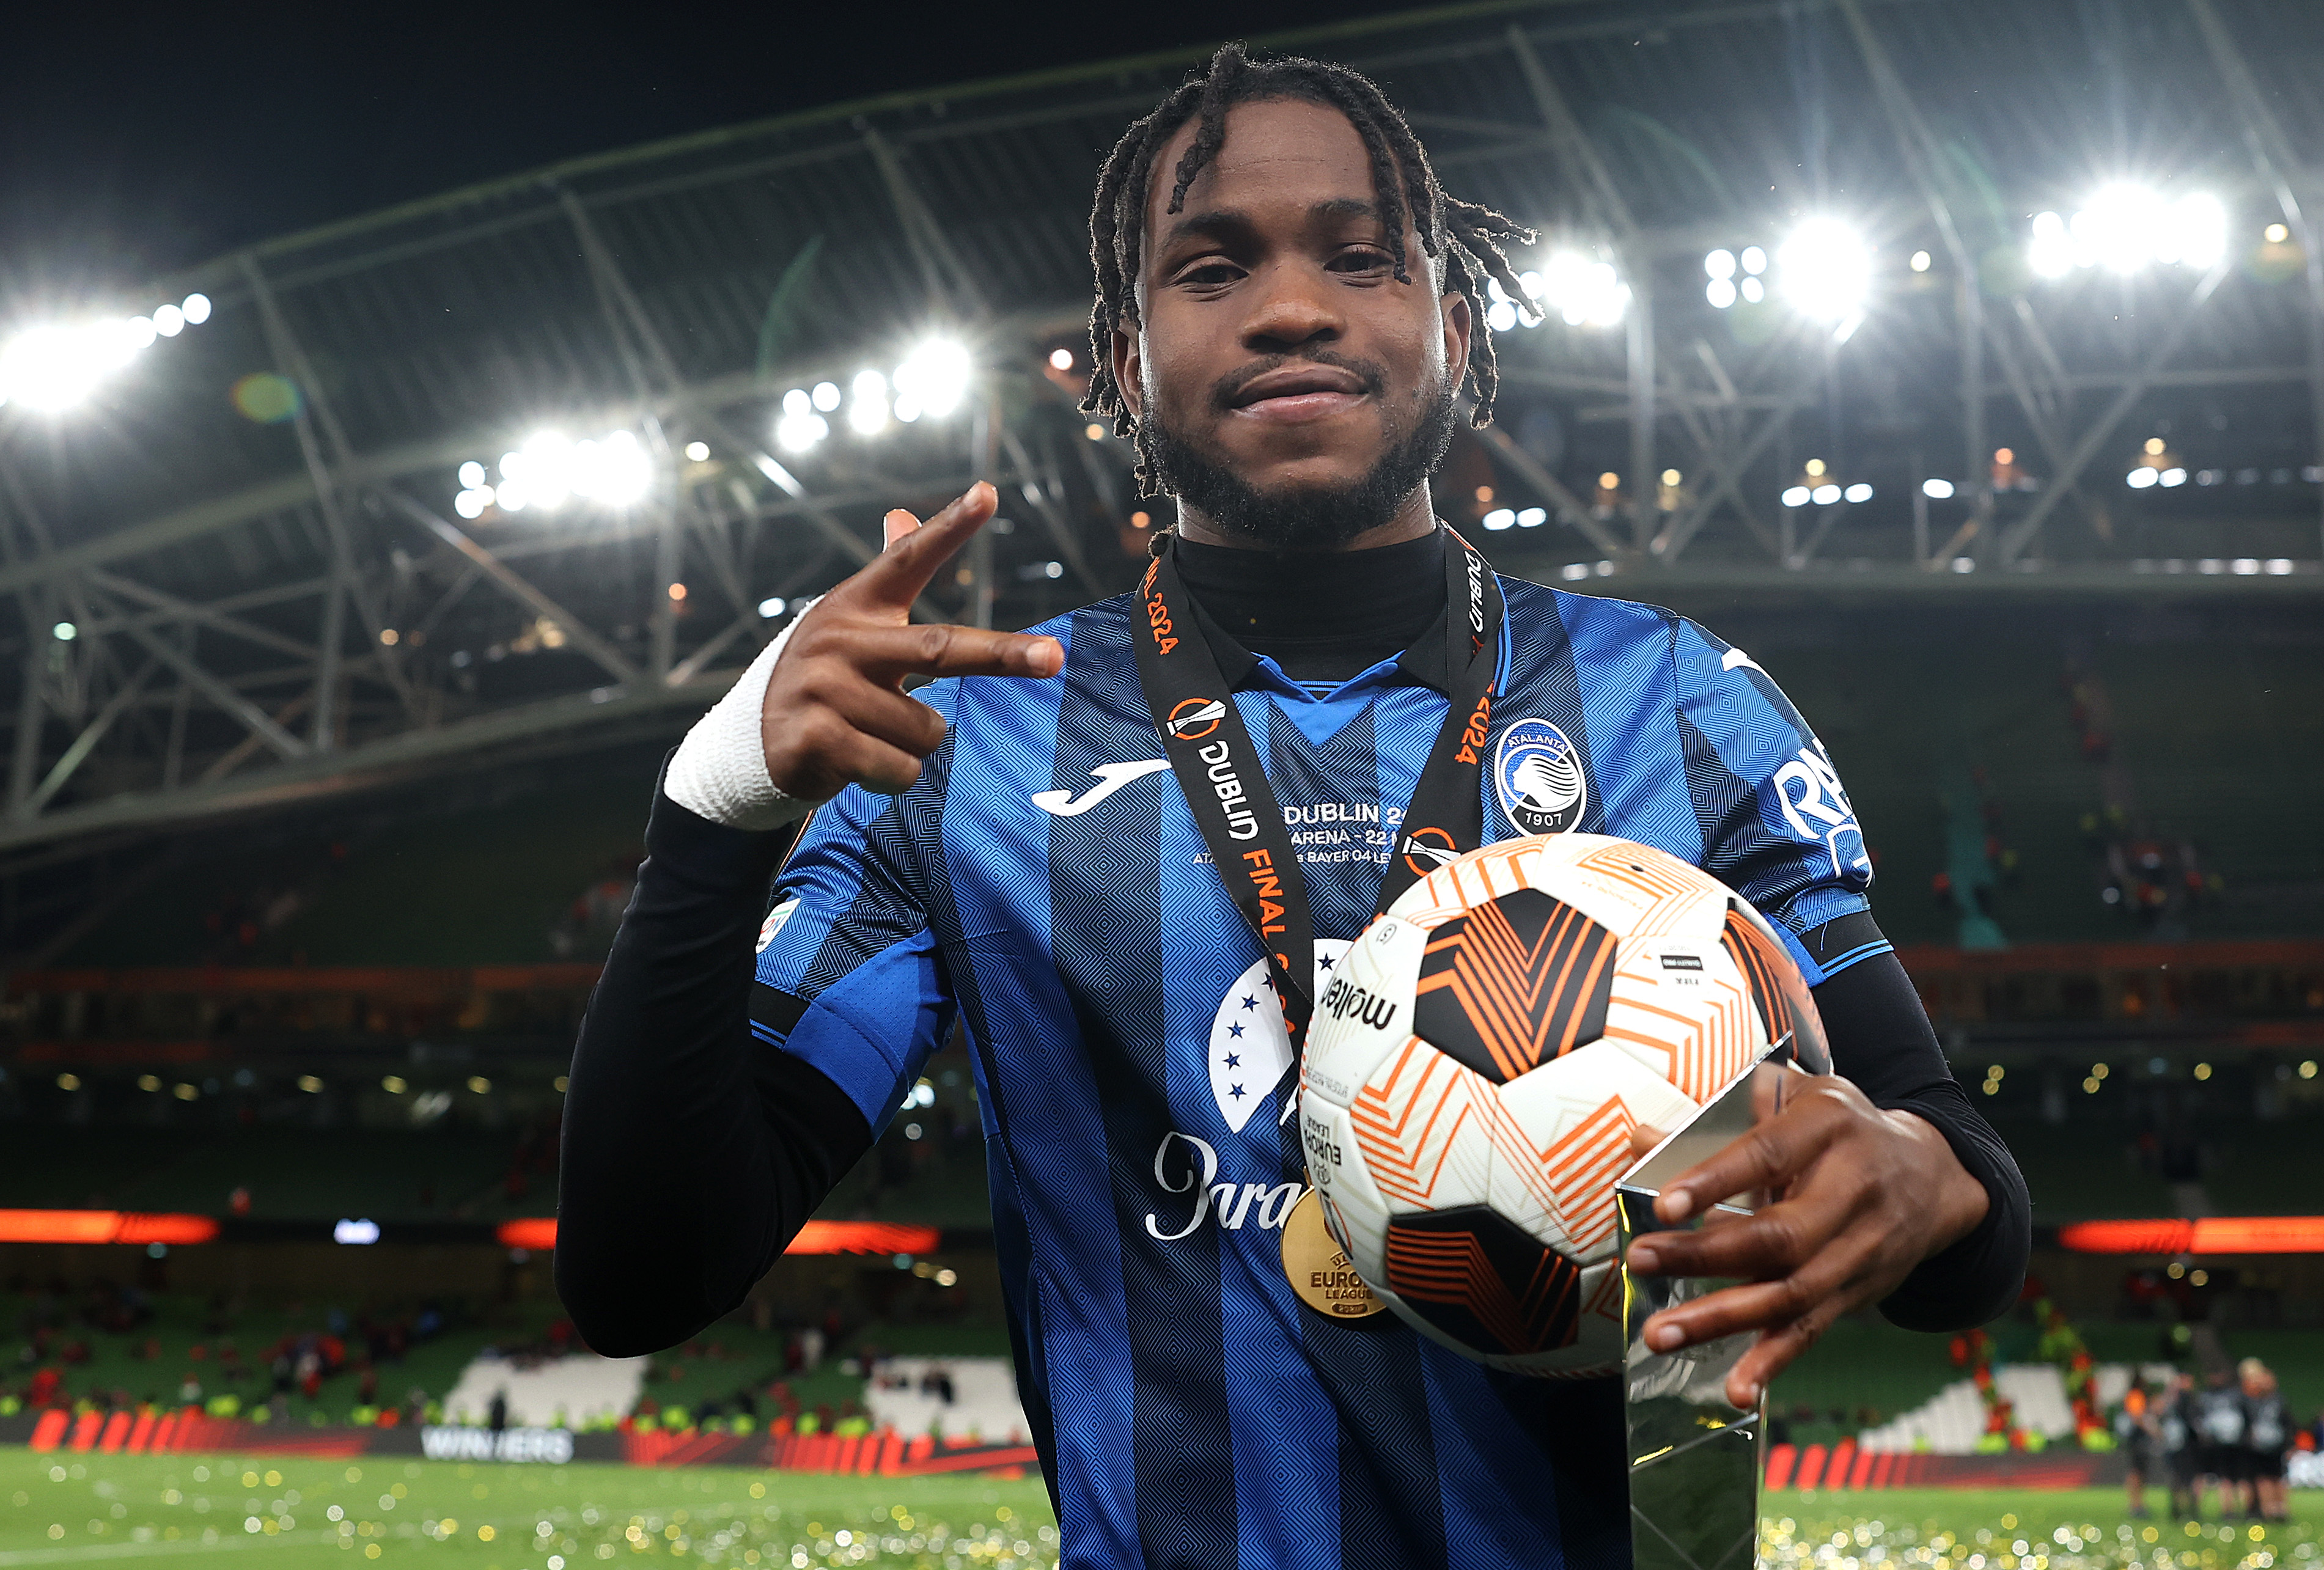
x,y
1313,517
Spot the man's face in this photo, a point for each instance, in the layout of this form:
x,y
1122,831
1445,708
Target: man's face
x,y
1292,383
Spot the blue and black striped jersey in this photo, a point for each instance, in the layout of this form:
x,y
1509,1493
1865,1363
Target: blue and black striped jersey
x,y
1044,882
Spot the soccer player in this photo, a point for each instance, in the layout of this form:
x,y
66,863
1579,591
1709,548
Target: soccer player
x,y
2219,1422
1289,316
2267,1433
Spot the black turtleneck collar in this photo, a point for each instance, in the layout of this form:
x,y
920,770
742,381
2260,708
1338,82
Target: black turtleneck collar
x,y
1322,616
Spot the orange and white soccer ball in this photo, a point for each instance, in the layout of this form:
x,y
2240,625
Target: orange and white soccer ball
x,y
1482,1056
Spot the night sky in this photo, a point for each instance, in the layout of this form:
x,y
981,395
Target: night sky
x,y
139,138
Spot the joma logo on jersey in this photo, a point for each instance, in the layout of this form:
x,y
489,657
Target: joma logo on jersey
x,y
1232,1205
1343,997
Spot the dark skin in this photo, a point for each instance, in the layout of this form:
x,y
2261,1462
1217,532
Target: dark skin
x,y
1273,335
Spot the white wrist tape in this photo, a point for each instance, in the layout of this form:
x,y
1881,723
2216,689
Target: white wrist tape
x,y
720,769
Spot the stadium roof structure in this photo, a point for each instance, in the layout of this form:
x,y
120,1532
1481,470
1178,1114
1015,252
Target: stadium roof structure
x,y
249,567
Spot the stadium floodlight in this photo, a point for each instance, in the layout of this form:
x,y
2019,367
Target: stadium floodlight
x,y
1500,518
1061,359
1500,311
64,632
1532,517
549,470
698,452
1937,490
1583,293
800,426
1825,495
1754,260
2127,227
1859,492
932,380
826,396
1720,264
2140,479
51,368
867,408
1753,291
169,321
2172,477
195,308
772,607
1826,272
1797,496
1922,262
1720,291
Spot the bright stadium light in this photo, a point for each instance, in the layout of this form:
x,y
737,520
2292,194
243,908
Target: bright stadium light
x,y
1754,260
2127,228
2051,252
611,471
932,380
772,607
197,308
1583,293
1532,517
1500,518
1859,492
698,452
1720,263
1720,291
169,321
2173,477
1824,495
1753,291
867,408
1797,496
801,427
1500,311
1937,490
52,368
2140,479
1825,271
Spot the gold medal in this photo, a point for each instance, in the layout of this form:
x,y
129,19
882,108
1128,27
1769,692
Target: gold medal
x,y
1319,1270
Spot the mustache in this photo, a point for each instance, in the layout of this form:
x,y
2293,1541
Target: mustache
x,y
1228,387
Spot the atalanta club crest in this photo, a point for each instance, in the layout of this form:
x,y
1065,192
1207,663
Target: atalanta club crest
x,y
1537,772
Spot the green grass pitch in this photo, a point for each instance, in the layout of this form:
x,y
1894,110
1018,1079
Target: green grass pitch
x,y
276,1513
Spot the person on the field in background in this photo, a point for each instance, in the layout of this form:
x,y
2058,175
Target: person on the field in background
x,y
2220,1432
2175,1443
2267,1433
2136,1435
1290,320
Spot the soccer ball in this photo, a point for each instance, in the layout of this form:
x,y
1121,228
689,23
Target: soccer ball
x,y
1478,1063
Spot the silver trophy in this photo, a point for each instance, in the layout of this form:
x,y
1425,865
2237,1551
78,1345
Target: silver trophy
x,y
1693,1459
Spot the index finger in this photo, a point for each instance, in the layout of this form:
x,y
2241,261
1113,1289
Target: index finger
x,y
1764,1156
895,577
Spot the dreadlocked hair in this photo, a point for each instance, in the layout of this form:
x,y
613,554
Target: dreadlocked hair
x,y
1465,238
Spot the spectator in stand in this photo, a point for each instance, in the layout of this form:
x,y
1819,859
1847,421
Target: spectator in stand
x,y
2135,1433
2267,1431
2219,1428
2174,1439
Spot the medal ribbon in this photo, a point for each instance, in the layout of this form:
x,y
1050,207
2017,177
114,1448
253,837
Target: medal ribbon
x,y
1217,765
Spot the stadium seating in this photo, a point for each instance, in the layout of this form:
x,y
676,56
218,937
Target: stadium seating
x,y
579,1390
